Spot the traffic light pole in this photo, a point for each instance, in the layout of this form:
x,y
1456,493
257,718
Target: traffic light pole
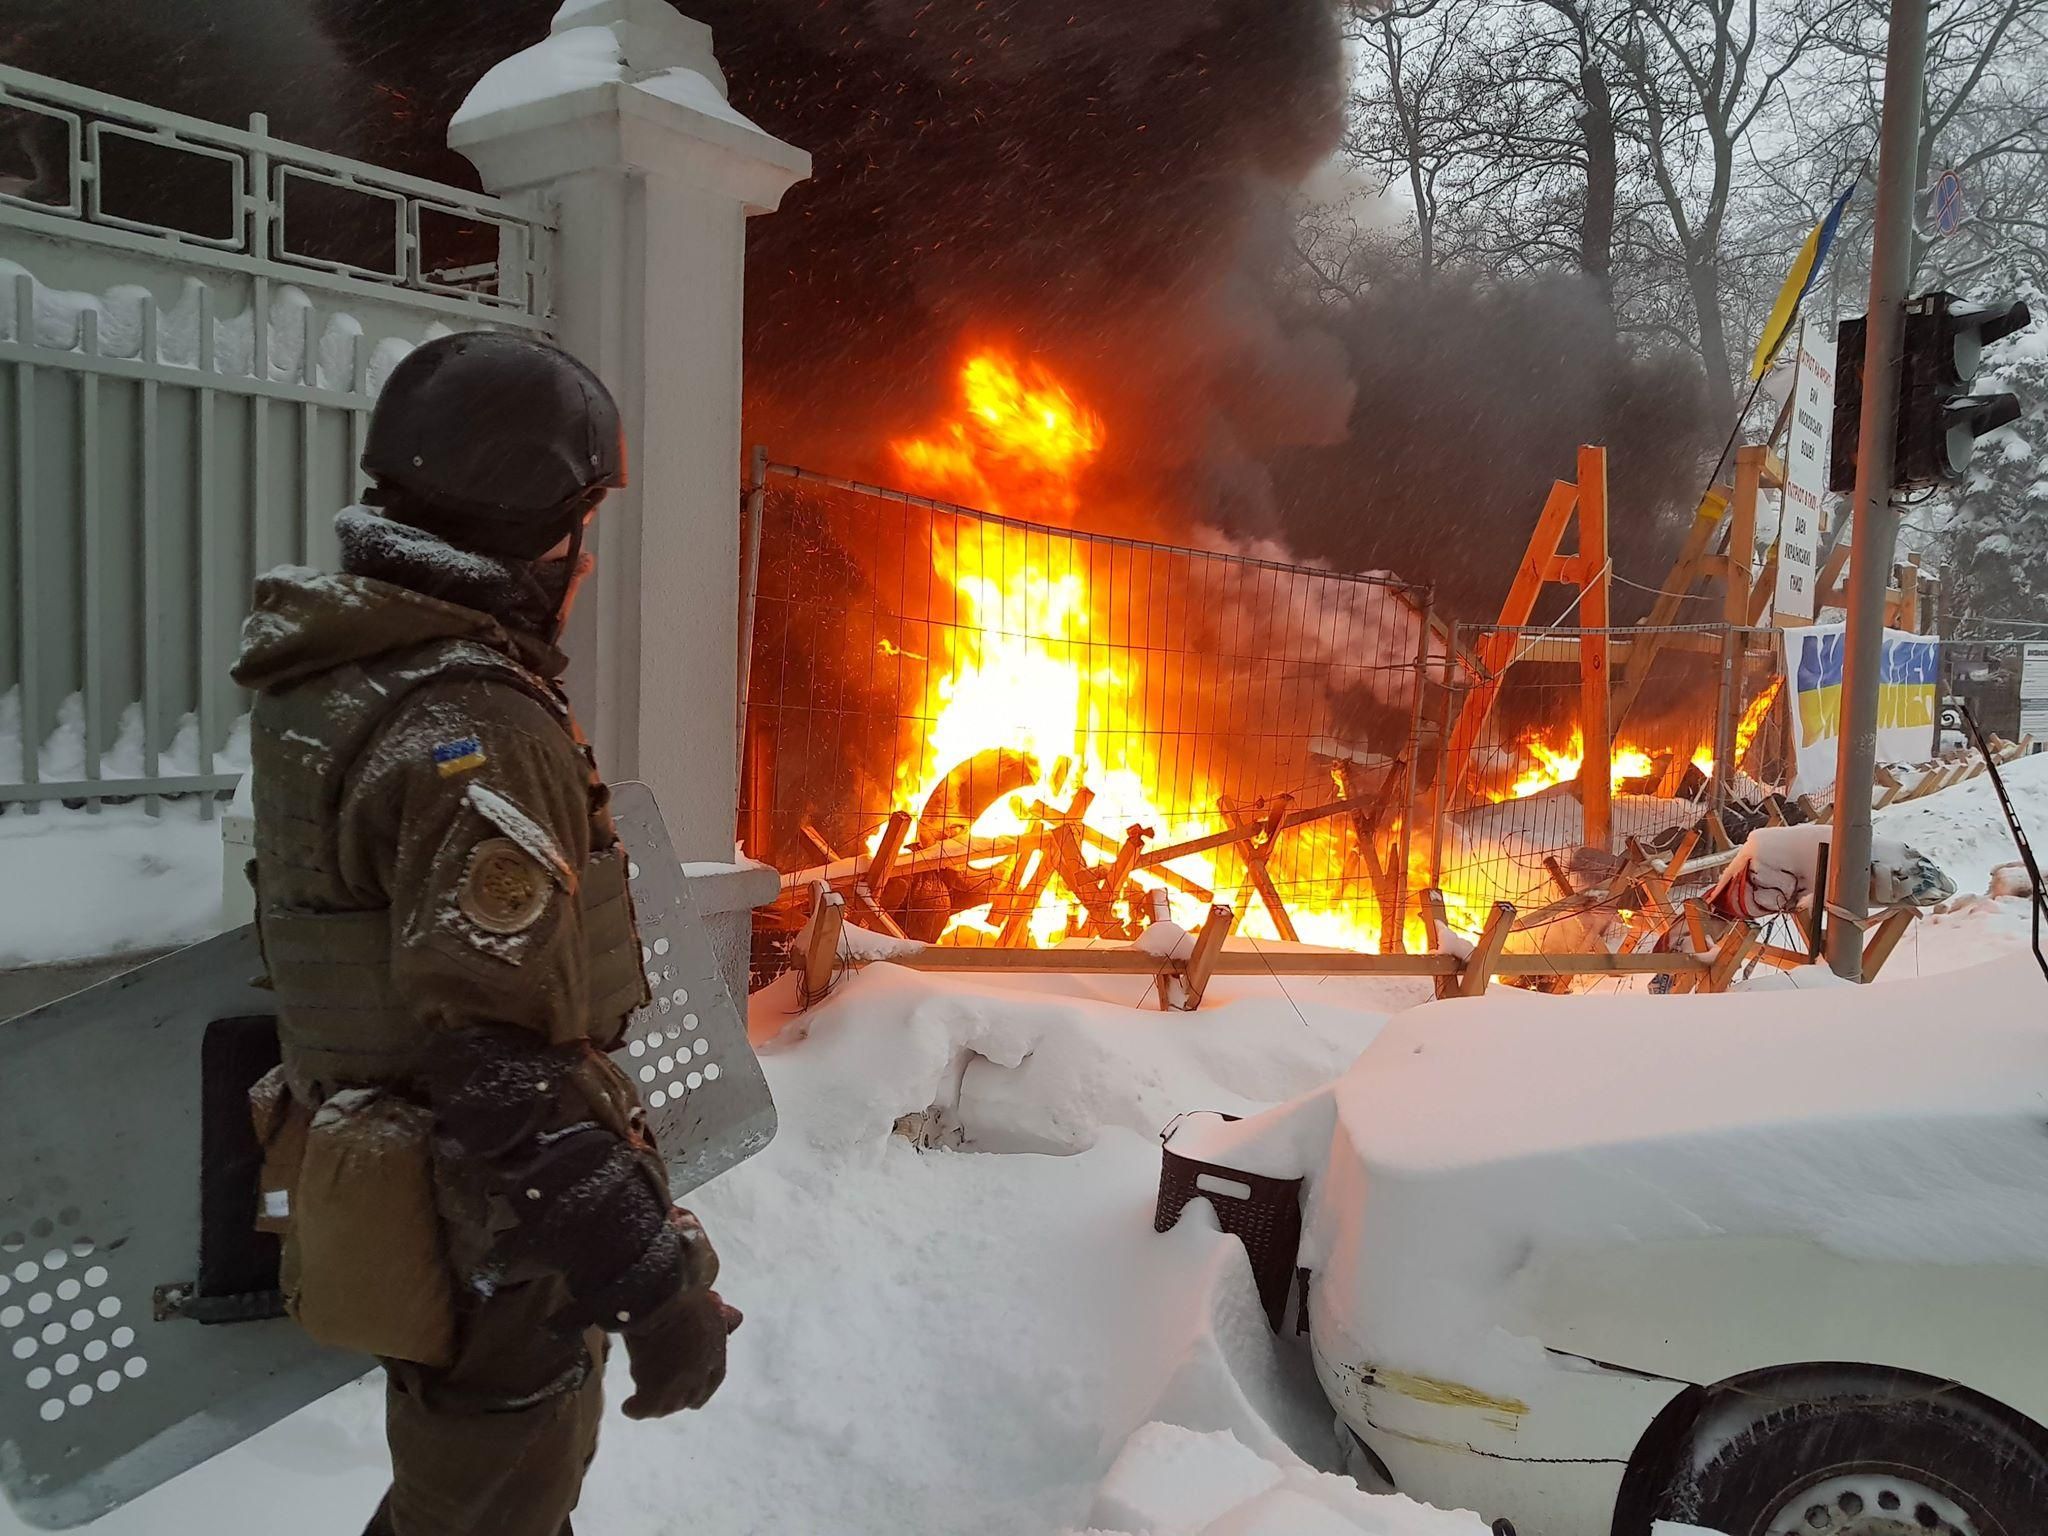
x,y
1876,523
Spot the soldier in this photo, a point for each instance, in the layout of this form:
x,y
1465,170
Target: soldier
x,y
464,1180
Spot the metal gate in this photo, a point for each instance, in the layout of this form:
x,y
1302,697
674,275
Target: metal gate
x,y
194,323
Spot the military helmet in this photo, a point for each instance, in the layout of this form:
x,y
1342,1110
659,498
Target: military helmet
x,y
494,441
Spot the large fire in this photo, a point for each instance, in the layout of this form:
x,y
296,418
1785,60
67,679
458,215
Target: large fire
x,y
1560,764
1070,692
1017,447
1026,666
1630,764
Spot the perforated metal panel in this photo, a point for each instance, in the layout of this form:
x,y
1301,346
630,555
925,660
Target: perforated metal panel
x,y
687,1051
100,1202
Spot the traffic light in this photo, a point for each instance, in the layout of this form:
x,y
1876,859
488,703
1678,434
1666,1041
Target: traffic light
x,y
1939,420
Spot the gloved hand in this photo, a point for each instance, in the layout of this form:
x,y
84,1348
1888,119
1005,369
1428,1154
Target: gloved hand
x,y
678,1354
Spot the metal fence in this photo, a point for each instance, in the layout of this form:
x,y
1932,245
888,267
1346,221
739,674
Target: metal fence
x,y
1703,731
194,323
1060,723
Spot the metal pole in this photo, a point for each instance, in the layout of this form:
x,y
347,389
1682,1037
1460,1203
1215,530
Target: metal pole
x,y
750,582
1876,522
1733,647
1414,768
1439,792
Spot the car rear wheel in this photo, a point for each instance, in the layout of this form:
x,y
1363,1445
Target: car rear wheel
x,y
1895,1460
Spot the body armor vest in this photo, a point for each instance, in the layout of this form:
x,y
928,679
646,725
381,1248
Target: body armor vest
x,y
341,1021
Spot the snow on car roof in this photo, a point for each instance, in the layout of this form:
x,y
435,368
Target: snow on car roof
x,y
1866,1118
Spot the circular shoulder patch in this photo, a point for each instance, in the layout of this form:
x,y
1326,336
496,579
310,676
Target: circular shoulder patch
x,y
504,889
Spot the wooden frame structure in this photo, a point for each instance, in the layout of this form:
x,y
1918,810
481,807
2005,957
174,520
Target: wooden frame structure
x,y
1099,869
1590,571
1061,841
1181,982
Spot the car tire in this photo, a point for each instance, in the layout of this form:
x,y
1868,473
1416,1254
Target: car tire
x,y
1897,1457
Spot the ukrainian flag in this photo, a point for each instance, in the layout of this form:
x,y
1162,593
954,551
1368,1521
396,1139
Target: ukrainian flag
x,y
1908,671
1805,268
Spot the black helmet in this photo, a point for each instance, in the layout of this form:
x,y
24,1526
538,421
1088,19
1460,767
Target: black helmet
x,y
494,441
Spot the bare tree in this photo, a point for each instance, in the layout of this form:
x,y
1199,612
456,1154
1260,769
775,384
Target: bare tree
x,y
1413,119
1701,73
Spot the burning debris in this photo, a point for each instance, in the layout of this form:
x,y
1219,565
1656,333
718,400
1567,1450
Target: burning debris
x,y
1078,726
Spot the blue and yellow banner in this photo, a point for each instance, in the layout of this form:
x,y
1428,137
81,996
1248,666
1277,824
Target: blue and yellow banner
x,y
1906,699
1813,255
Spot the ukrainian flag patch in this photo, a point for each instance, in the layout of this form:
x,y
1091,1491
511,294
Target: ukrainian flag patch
x,y
453,757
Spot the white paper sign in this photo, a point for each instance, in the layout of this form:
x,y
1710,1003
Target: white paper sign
x,y
1806,475
2034,690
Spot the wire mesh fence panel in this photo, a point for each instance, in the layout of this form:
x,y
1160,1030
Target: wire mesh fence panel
x,y
1051,716
1516,829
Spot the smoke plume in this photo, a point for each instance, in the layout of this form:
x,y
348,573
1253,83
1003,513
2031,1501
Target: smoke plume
x,y
1101,184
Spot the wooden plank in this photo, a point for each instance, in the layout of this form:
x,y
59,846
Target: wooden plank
x,y
1729,955
1926,784
821,944
1879,946
886,851
1544,916
1558,877
1765,589
1162,872
1155,857
1117,879
1068,960
1718,830
1365,822
1749,465
1677,587
1029,878
1486,953
816,839
1496,651
1255,855
1086,883
1696,925
1596,783
1681,856
1202,963
1780,958
947,855
1435,924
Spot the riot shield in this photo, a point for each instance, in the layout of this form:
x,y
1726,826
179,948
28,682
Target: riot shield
x,y
131,1346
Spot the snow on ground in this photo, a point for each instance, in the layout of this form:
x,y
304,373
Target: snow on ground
x,y
78,885
1963,831
990,1338
949,1341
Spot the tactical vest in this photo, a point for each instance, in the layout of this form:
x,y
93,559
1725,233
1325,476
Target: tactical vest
x,y
341,1021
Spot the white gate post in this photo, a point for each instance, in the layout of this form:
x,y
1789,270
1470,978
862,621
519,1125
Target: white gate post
x,y
619,117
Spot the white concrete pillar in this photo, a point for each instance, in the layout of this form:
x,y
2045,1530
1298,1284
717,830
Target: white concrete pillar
x,y
620,119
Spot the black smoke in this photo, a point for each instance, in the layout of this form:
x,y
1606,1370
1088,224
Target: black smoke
x,y
1100,183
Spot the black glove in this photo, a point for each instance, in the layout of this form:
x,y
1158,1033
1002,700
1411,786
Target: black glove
x,y
678,1354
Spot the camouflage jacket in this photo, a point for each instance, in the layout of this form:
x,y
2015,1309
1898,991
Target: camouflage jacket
x,y
444,913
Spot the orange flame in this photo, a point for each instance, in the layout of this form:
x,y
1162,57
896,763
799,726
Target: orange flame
x,y
1561,764
1018,667
1017,447
1745,732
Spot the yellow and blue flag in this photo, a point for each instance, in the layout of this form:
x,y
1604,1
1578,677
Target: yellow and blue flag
x,y
1805,268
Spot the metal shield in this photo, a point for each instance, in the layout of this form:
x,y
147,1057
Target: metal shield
x,y
100,1133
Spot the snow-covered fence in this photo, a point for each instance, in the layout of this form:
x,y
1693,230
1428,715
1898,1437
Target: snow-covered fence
x,y
194,322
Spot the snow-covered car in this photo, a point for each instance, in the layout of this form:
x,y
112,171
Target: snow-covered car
x,y
1765,1263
